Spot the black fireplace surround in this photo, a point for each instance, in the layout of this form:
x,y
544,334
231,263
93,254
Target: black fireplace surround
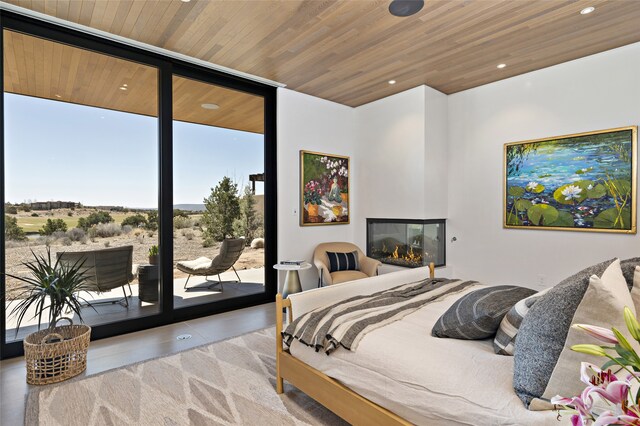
x,y
410,243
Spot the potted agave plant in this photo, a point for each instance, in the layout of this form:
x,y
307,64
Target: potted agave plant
x,y
52,288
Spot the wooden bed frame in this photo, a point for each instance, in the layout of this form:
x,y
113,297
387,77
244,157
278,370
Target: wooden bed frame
x,y
338,398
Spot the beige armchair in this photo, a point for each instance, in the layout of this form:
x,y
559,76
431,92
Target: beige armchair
x,y
368,266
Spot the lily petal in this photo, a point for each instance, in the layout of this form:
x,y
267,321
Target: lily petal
x,y
582,404
576,420
561,400
587,370
618,390
615,392
607,418
600,333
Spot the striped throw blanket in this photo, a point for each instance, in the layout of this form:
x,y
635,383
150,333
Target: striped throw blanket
x,y
347,322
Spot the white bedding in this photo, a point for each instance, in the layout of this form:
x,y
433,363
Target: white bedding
x,y
424,379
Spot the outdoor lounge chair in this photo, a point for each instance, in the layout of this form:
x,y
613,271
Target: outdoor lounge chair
x,y
230,252
105,269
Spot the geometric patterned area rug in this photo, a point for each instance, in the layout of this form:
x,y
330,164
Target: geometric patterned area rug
x,y
231,382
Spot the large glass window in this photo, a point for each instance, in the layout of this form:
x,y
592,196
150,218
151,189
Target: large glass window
x,y
218,174
81,176
157,175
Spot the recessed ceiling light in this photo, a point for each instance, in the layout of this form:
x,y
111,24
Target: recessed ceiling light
x,y
404,8
57,96
210,106
587,10
392,82
502,65
125,85
122,88
185,1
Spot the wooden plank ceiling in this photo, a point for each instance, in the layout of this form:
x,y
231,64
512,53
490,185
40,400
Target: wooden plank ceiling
x,y
49,70
346,50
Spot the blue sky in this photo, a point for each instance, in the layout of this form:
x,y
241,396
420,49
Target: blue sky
x,y
61,151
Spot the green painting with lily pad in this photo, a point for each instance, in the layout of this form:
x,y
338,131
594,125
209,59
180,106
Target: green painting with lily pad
x,y
580,182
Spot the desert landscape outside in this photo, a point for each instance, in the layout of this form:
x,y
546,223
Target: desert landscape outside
x,y
90,183
187,236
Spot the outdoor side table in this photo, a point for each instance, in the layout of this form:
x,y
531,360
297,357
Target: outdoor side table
x,y
148,283
292,280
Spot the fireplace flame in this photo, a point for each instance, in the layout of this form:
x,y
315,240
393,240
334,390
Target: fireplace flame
x,y
410,256
413,257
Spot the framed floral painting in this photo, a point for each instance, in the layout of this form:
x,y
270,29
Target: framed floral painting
x,y
324,189
580,182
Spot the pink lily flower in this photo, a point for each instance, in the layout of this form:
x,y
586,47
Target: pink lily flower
x,y
600,333
615,392
608,418
603,383
577,420
582,406
591,374
633,413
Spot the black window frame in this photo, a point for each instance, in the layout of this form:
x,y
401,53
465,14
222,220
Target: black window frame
x,y
167,67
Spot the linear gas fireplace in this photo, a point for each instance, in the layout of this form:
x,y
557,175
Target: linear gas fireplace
x,y
407,242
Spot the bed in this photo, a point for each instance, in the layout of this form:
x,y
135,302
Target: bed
x,y
400,374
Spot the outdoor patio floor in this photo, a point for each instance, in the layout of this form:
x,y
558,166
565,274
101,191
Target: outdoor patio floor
x,y
197,293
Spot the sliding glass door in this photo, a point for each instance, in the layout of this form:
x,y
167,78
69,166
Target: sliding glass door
x,y
157,176
218,193
81,177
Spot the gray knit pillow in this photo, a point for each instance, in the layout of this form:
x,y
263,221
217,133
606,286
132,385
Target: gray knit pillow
x,y
545,327
477,315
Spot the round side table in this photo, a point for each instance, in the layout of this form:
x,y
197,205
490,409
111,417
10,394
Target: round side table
x,y
148,283
292,280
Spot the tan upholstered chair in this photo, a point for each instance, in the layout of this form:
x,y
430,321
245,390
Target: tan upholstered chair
x,y
230,252
368,266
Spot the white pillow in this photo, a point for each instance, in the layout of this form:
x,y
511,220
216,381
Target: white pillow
x,y
635,290
602,305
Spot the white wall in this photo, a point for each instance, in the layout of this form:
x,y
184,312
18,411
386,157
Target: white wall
x,y
436,134
398,150
593,93
312,124
390,159
401,155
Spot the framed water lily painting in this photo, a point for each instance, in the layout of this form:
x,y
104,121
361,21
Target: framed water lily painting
x,y
580,182
324,189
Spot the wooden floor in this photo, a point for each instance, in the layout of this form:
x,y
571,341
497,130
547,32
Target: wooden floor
x,y
115,352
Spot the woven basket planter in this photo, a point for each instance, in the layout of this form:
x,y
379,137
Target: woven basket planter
x,y
57,353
